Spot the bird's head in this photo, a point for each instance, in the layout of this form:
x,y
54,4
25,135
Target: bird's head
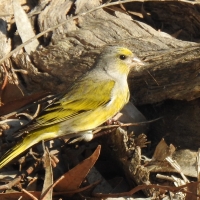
x,y
117,61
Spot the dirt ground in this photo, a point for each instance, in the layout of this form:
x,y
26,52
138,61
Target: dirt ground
x,y
179,126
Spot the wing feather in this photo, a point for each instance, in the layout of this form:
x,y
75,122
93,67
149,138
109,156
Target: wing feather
x,y
75,102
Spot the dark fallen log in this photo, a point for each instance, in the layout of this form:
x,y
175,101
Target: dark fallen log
x,y
172,70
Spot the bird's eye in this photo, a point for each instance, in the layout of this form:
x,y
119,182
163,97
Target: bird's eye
x,y
122,57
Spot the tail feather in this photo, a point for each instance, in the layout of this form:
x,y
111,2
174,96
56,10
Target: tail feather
x,y
28,141
16,150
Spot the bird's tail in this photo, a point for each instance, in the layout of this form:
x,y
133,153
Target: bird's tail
x,y
26,143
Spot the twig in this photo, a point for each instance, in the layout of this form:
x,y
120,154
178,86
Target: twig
x,y
145,187
99,128
5,81
177,167
127,124
198,171
29,194
11,183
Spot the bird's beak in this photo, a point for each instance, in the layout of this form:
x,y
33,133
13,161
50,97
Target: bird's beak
x,y
138,61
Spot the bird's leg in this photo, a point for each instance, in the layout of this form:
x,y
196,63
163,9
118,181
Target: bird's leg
x,y
114,119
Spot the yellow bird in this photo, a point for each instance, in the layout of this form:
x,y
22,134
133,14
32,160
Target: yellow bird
x,y
93,99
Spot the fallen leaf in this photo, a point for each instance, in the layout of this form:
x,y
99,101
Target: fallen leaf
x,y
163,150
10,93
74,177
17,104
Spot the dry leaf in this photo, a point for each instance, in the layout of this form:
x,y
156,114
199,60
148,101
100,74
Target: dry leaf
x,y
10,93
163,150
74,177
13,106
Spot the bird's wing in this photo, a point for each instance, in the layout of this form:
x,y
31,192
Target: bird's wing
x,y
75,102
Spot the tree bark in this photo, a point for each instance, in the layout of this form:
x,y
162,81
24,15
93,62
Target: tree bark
x,y
171,70
172,66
